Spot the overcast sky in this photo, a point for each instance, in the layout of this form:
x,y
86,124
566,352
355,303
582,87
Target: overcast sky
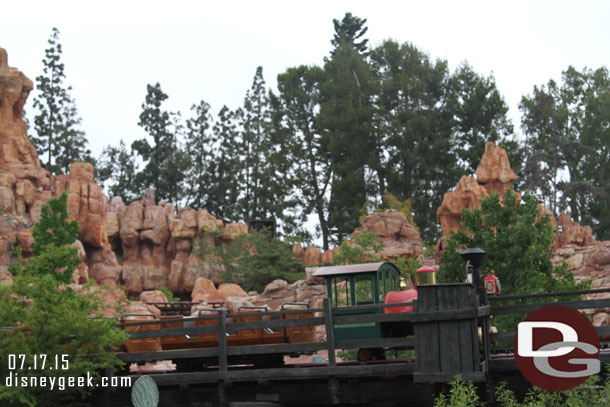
x,y
210,50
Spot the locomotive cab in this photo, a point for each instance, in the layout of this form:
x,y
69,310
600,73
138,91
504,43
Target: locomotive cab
x,y
364,284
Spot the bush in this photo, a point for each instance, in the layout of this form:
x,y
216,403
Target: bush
x,y
50,318
592,393
518,245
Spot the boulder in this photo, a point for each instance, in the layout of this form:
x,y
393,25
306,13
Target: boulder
x,y
205,291
466,195
140,307
231,290
153,296
574,233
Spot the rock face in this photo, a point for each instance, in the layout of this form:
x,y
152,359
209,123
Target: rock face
x,y
15,148
399,237
493,174
143,245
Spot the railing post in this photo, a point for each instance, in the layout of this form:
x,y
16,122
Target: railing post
x,y
222,340
330,335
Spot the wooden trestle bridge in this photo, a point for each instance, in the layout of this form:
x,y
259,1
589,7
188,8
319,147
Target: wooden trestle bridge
x,y
446,341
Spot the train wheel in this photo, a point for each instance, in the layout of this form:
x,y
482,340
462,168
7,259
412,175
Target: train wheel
x,y
366,354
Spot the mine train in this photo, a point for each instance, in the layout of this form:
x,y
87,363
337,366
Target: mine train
x,y
349,288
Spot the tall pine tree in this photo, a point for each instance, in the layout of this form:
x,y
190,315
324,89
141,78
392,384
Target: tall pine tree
x,y
116,171
297,107
165,162
224,170
199,144
58,136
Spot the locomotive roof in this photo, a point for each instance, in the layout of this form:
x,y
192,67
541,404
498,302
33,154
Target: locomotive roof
x,y
349,269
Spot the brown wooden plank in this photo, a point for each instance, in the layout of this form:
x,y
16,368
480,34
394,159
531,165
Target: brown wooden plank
x,y
375,343
351,319
527,308
467,332
428,332
330,332
543,295
448,331
447,377
222,341
445,315
301,373
233,326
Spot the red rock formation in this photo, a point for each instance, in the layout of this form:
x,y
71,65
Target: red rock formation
x,y
494,172
574,233
25,186
400,238
15,147
466,195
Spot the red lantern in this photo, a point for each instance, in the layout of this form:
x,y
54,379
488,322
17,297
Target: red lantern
x,y
492,284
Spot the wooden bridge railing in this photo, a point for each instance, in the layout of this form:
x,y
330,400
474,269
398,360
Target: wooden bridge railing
x,y
530,307
270,320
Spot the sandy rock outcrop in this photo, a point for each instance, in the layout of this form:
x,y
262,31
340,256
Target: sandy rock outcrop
x,y
15,148
25,186
573,233
399,237
494,172
205,291
152,296
139,307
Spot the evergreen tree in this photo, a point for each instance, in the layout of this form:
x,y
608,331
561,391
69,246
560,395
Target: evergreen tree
x,y
349,30
267,190
414,139
480,116
57,122
566,128
117,165
166,164
256,126
297,107
224,170
199,144
346,124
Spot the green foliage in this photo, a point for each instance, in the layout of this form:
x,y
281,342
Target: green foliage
x,y
165,162
57,121
517,244
462,394
168,294
52,235
252,259
266,170
346,119
117,164
567,128
349,30
364,249
50,318
296,114
390,201
592,393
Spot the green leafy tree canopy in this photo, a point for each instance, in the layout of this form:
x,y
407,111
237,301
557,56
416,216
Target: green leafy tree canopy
x,y
517,242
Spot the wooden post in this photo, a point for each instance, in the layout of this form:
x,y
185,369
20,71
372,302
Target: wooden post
x,y
330,335
222,340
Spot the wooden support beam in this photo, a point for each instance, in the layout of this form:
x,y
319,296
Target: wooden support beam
x,y
222,341
330,333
